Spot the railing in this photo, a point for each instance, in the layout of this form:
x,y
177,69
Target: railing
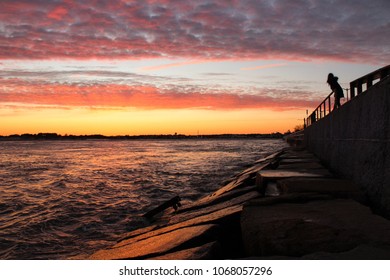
x,y
321,111
368,80
324,108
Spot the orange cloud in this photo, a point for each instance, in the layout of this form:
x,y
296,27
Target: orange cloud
x,y
147,97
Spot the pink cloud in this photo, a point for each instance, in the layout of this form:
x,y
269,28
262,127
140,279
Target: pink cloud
x,y
146,97
58,13
209,29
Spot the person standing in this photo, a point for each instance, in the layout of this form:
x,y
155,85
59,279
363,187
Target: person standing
x,y
336,89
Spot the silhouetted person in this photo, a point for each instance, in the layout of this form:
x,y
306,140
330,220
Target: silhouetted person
x,y
336,88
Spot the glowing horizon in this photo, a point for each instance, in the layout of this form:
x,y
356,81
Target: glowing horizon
x,y
164,67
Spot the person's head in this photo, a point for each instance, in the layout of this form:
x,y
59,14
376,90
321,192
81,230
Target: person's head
x,y
330,77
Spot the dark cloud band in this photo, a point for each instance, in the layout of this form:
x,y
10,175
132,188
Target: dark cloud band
x,y
305,29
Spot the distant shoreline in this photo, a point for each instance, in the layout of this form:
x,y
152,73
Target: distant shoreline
x,y
55,136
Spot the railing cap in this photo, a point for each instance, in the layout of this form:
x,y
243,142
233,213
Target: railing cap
x,y
377,74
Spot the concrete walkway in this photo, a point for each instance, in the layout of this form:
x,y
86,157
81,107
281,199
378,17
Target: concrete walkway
x,y
286,206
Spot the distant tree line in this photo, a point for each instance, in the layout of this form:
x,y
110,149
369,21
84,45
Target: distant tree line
x,y
55,136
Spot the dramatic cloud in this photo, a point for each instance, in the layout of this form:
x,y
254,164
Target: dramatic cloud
x,y
221,29
149,97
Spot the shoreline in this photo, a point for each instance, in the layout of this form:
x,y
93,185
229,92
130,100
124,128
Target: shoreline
x,y
285,206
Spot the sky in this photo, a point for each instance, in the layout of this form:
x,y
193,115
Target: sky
x,y
180,66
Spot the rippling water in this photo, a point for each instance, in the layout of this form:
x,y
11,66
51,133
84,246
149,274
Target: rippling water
x,y
64,198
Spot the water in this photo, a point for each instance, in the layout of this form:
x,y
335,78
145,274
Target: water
x,y
64,198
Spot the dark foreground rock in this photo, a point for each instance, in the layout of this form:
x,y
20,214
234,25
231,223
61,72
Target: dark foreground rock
x,y
299,229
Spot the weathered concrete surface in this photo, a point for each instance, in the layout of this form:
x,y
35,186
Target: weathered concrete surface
x,y
155,245
211,218
299,160
355,141
245,179
204,252
340,188
217,199
296,230
239,200
287,198
265,177
361,252
304,166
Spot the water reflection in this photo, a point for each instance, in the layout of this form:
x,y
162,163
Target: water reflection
x,y
61,198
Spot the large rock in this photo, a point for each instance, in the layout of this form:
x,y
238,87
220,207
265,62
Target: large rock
x,y
295,230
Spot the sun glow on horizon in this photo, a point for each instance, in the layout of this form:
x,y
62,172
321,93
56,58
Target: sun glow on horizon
x,y
160,67
111,122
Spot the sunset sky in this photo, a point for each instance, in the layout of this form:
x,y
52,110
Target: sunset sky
x,y
182,66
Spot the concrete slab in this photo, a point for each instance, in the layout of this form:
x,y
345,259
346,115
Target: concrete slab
x,y
239,200
265,176
217,199
287,198
283,174
305,166
204,252
295,230
361,252
210,218
154,245
289,153
299,160
270,157
239,182
336,187
138,232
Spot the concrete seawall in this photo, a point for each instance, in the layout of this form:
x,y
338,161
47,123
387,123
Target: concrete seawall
x,y
354,141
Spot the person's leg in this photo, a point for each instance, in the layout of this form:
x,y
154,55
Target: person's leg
x,y
336,103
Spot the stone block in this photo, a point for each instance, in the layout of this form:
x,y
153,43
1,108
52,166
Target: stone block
x,y
210,218
295,230
361,252
239,200
156,245
336,187
265,176
204,252
225,197
304,166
